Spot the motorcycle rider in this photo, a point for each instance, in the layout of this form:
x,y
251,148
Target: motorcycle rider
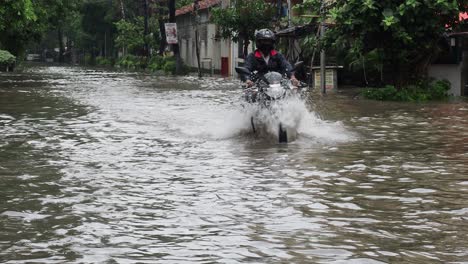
x,y
265,58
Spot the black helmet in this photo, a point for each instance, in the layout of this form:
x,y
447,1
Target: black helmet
x,y
265,34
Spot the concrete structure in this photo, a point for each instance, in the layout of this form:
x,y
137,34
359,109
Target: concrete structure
x,y
216,54
453,65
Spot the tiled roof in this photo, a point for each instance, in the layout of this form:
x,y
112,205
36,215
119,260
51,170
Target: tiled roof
x,y
204,4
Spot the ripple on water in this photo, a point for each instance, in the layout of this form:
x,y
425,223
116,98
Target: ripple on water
x,y
101,166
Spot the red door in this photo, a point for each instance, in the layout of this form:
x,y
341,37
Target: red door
x,y
225,66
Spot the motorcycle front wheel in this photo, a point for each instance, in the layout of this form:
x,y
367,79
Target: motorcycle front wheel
x,y
282,134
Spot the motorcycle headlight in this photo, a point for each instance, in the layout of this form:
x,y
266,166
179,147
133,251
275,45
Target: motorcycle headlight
x,y
275,90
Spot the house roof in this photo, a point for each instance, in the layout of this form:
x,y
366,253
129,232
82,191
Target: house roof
x,y
458,34
204,4
296,31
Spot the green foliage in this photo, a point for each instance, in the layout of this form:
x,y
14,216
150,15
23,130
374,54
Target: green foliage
x,y
6,58
242,19
166,64
156,63
439,89
130,34
17,24
103,61
95,25
181,3
130,62
170,66
398,38
423,91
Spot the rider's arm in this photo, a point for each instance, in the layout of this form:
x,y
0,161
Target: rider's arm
x,y
288,69
250,64
286,66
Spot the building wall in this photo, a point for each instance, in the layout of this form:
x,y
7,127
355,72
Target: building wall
x,y
464,79
212,49
209,47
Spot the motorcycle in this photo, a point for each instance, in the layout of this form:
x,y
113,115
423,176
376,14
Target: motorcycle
x,y
268,91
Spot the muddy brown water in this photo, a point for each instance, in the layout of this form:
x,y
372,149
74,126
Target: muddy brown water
x,y
110,167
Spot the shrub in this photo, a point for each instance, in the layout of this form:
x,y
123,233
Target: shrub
x,y
439,89
156,63
425,90
103,61
166,64
130,62
169,65
6,58
382,94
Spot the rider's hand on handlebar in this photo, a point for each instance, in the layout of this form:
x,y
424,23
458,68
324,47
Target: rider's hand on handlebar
x,y
295,81
249,83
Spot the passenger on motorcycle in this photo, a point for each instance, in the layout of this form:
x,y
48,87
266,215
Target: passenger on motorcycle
x,y
265,58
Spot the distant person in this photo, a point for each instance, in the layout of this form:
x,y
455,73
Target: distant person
x,y
265,58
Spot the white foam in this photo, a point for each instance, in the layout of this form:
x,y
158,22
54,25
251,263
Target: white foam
x,y
223,121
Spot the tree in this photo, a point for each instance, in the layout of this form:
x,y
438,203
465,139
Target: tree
x,y
59,15
17,25
399,38
130,35
175,47
181,3
96,23
241,20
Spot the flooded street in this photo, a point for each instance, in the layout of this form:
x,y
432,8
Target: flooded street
x,y
109,167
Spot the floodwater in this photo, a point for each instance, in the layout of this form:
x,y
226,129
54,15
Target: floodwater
x,y
108,167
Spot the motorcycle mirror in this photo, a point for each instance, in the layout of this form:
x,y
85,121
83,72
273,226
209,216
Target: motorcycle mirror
x,y
298,64
242,70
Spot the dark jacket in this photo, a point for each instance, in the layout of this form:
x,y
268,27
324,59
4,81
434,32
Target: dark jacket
x,y
277,62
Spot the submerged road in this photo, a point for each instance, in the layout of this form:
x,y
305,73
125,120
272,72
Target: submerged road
x,y
108,167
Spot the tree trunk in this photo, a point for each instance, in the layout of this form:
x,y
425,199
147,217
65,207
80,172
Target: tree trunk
x,y
68,50
145,33
175,47
197,49
61,47
122,10
162,29
246,47
73,54
197,19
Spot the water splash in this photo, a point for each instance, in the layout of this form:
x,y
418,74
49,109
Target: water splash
x,y
223,121
294,114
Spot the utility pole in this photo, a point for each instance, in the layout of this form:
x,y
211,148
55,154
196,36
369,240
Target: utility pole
x,y
147,52
162,28
122,10
323,82
196,6
175,47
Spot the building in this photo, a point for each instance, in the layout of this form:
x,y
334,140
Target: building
x,y
452,63
216,54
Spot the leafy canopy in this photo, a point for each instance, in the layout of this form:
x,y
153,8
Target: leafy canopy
x,y
6,57
17,24
399,35
242,19
130,34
